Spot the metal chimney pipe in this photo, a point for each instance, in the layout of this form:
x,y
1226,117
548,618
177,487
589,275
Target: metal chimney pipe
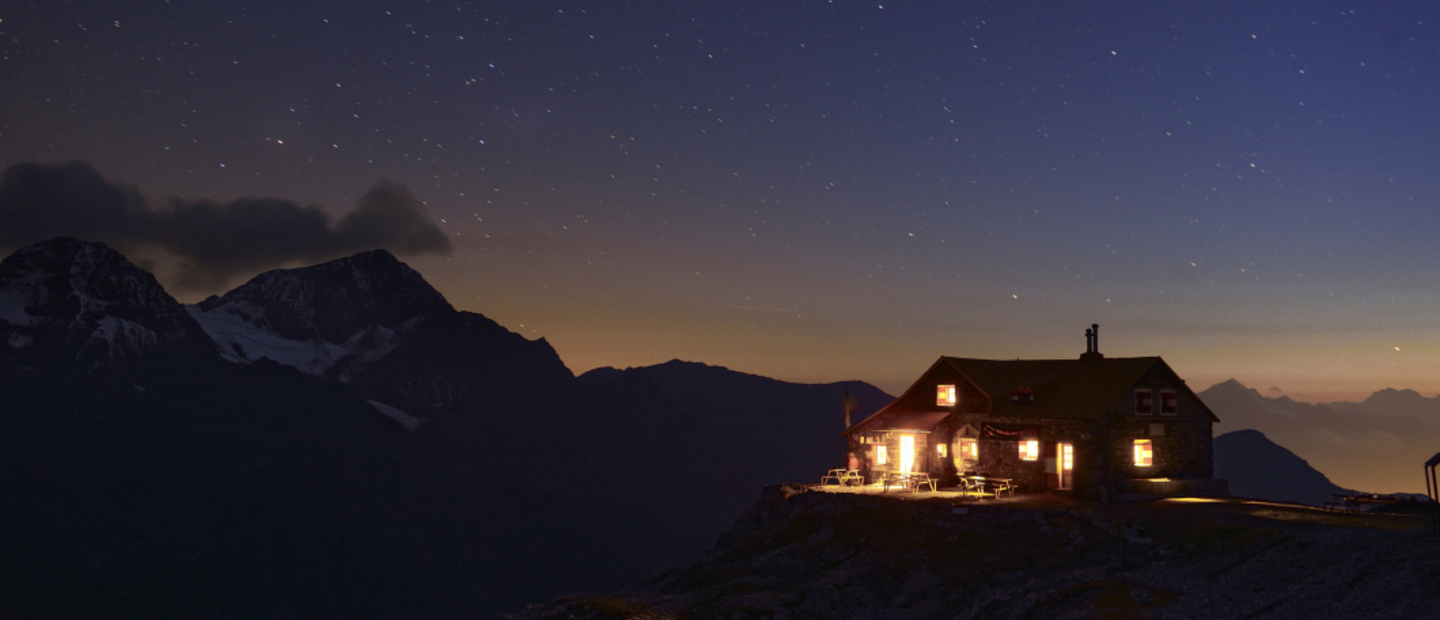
x,y
1095,340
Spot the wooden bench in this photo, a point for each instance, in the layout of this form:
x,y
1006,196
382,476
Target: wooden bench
x,y
911,480
1002,486
997,486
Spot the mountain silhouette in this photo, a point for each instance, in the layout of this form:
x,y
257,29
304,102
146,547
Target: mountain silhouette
x,y
339,440
1257,467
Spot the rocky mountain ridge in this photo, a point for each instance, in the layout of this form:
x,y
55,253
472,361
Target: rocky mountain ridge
x,y
76,305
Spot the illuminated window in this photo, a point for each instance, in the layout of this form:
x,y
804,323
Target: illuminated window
x,y
1144,453
940,449
945,395
969,449
1167,402
880,455
1142,402
1029,449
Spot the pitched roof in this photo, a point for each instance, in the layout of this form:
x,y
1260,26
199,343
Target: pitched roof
x,y
1074,389
1079,389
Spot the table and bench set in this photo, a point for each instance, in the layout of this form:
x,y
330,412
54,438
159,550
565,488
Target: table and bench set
x,y
915,480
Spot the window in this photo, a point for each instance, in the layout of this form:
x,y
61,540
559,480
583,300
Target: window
x,y
880,455
1144,453
969,449
1022,396
945,395
1167,402
940,449
1142,402
1029,449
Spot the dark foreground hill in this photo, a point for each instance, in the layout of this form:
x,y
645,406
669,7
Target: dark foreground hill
x,y
805,554
338,441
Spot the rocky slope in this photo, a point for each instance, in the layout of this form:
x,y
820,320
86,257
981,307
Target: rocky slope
x,y
805,554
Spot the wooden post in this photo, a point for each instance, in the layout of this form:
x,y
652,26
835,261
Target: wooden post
x,y
1432,485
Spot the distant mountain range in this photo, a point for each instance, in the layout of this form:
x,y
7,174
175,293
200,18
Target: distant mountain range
x,y
338,440
1376,446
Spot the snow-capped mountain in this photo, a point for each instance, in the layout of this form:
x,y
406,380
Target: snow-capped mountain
x,y
340,315
371,320
82,304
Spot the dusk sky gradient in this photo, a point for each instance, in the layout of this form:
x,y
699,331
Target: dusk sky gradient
x,y
818,190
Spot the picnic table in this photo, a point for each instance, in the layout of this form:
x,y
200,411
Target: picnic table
x,y
911,479
998,486
843,477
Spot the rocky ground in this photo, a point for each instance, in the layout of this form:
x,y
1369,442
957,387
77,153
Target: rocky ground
x,y
804,553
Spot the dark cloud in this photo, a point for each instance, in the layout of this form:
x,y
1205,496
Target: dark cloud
x,y
215,242
39,202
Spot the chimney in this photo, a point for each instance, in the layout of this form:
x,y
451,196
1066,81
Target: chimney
x,y
1092,343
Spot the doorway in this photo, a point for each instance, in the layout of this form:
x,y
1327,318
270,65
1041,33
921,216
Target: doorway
x,y
1065,463
907,453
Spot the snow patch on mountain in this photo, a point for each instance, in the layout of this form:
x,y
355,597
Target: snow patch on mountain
x,y
242,342
243,336
408,421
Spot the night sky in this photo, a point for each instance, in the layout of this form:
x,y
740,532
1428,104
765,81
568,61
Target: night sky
x,y
813,191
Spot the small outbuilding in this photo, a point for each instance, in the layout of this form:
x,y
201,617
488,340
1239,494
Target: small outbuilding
x,y
1094,426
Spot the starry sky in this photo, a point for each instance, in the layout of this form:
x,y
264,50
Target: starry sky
x,y
811,190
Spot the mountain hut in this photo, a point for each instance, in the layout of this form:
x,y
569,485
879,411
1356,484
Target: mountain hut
x,y
1094,426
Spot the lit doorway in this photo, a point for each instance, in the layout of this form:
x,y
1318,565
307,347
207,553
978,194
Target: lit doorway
x,y
907,453
1065,462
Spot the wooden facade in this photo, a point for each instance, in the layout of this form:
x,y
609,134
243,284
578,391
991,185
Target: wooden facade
x,y
1095,426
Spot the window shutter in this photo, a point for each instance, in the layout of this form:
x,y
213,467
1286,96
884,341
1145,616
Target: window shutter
x,y
1142,402
1167,402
